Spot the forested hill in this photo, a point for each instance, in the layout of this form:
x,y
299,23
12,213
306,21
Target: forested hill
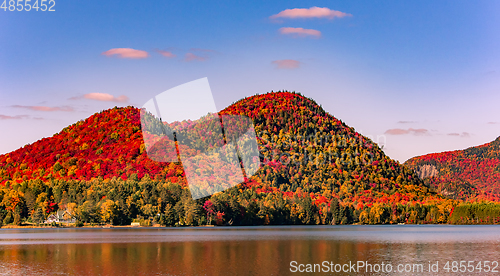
x,y
463,174
314,170
105,145
307,148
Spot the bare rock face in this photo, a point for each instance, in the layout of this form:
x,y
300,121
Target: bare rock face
x,y
424,171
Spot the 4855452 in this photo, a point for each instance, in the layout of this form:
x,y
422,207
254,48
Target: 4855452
x,y
28,5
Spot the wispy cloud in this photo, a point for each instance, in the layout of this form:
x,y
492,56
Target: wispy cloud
x,y
493,123
286,64
407,122
16,117
104,97
193,57
126,53
463,134
313,12
400,131
300,32
45,108
199,54
167,54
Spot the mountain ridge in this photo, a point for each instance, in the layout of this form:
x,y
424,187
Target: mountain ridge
x,y
463,174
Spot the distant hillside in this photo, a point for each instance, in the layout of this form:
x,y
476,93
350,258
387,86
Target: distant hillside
x,y
315,170
462,174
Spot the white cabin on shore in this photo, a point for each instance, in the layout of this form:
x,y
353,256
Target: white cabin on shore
x,y
61,216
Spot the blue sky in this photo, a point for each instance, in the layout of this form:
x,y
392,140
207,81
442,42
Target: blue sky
x,y
417,76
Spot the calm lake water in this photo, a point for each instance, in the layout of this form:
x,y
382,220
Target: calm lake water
x,y
252,250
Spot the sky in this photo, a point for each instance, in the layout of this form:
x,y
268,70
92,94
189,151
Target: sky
x,y
415,76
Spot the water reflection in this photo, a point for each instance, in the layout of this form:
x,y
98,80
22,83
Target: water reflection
x,y
238,251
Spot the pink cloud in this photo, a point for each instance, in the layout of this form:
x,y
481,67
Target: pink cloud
x,y
301,32
17,117
286,64
313,12
396,131
419,131
400,131
45,108
193,57
126,53
463,134
166,54
104,97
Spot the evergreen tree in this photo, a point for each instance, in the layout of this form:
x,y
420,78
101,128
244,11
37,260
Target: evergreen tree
x,y
38,216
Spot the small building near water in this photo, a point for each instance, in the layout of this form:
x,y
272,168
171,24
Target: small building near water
x,y
61,216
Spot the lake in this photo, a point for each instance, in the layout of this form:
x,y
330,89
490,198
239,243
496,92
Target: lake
x,y
262,250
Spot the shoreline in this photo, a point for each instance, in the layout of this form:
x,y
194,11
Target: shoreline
x,y
100,226
213,226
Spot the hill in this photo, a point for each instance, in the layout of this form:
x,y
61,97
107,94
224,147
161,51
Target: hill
x,y
314,170
469,174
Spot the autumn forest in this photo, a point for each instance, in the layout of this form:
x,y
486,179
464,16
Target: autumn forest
x,y
314,170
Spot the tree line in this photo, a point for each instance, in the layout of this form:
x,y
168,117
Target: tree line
x,y
149,201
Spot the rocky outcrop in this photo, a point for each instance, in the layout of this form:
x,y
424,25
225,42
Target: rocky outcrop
x,y
424,171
